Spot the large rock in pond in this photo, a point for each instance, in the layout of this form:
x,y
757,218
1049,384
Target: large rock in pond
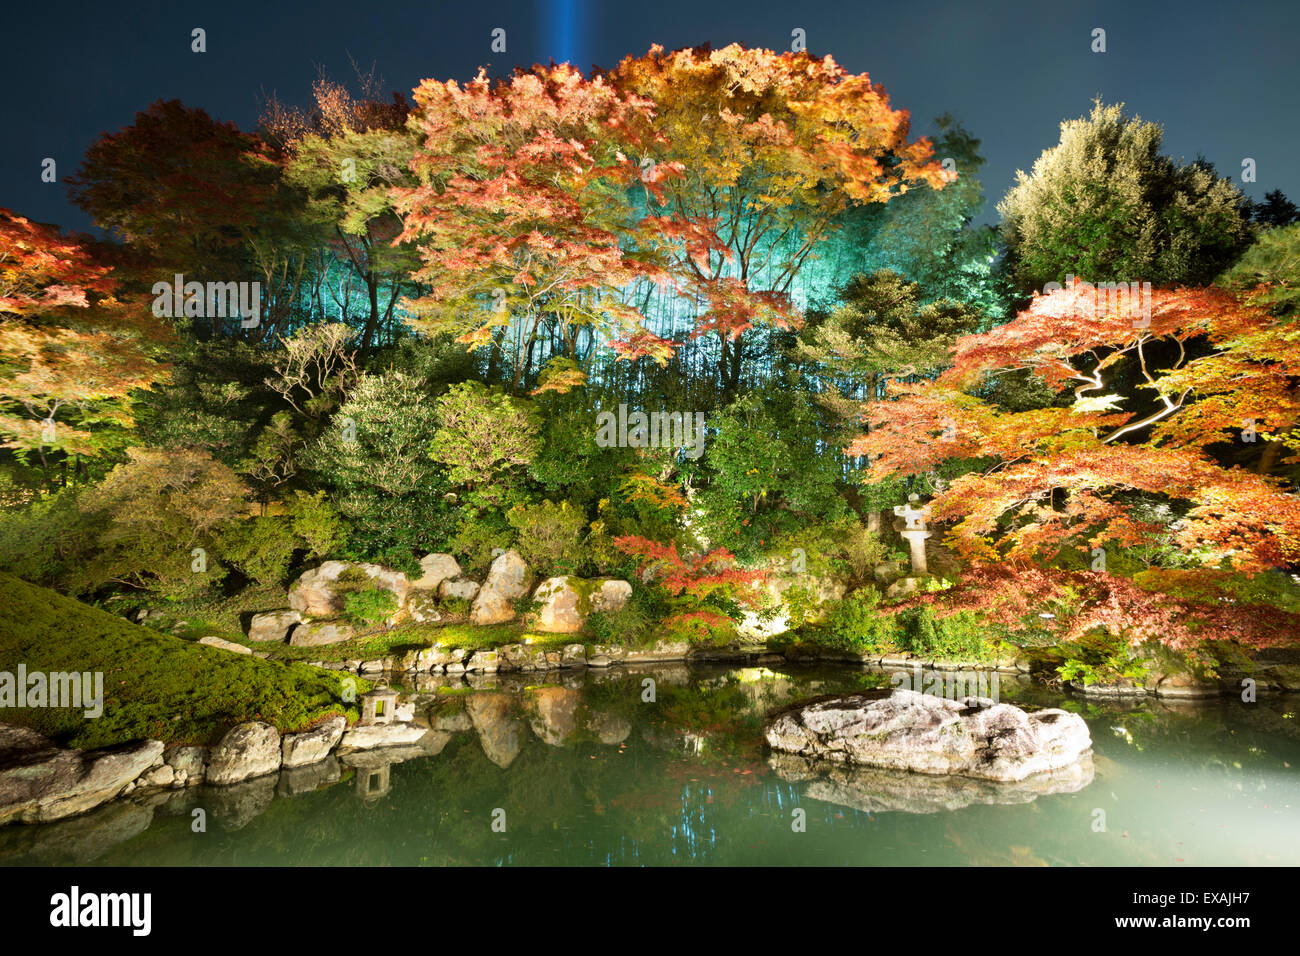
x,y
494,719
567,600
310,746
907,730
40,782
246,751
434,569
315,593
272,625
508,580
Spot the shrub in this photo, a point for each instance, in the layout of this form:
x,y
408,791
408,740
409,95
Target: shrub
x,y
370,606
548,535
477,538
261,548
960,635
855,623
484,438
158,508
373,457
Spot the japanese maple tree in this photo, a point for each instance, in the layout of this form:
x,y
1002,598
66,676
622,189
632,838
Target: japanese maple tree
x,y
523,215
773,148
1204,367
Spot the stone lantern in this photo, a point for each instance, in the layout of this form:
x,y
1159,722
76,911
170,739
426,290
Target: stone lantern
x,y
913,530
378,706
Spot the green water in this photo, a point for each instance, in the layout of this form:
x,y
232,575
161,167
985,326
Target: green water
x,y
588,772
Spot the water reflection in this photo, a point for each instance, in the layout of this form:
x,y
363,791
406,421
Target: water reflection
x,y
666,765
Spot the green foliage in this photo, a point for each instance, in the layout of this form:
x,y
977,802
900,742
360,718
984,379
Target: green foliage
x,y
50,539
476,539
548,536
369,606
1102,658
261,548
855,623
485,438
315,522
769,471
1268,273
962,635
163,514
373,458
1104,205
160,687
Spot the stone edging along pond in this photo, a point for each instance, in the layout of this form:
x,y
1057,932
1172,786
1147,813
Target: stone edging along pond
x,y
43,783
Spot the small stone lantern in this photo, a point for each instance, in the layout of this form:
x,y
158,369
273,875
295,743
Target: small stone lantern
x,y
913,530
378,706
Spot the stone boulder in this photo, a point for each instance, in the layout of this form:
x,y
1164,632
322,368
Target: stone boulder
x,y
224,645
907,730
567,600
318,633
508,580
246,751
434,569
40,782
272,625
422,606
310,746
458,589
315,593
371,736
776,615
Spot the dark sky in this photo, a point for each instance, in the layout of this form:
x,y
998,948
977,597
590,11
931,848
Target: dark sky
x,y
1221,77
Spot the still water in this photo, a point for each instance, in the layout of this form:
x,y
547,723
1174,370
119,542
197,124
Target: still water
x,y
587,770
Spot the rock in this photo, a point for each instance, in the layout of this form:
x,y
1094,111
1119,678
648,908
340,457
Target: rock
x,y
906,730
225,645
192,762
434,569
273,625
566,601
486,662
777,614
370,736
315,594
603,655
450,717
40,782
554,713
521,657
249,750
163,776
492,715
314,745
573,655
508,580
903,588
887,572
422,606
462,589
662,650
319,633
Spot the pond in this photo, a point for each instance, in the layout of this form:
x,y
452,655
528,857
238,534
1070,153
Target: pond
x,y
666,765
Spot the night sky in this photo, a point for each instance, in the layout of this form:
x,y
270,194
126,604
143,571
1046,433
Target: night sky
x,y
1221,78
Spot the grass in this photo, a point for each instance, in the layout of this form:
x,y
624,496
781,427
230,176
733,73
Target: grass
x,y
155,685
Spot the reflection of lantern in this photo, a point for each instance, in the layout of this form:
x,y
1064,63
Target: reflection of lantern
x,y
373,784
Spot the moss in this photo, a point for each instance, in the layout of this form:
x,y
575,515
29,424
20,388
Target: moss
x,y
155,685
